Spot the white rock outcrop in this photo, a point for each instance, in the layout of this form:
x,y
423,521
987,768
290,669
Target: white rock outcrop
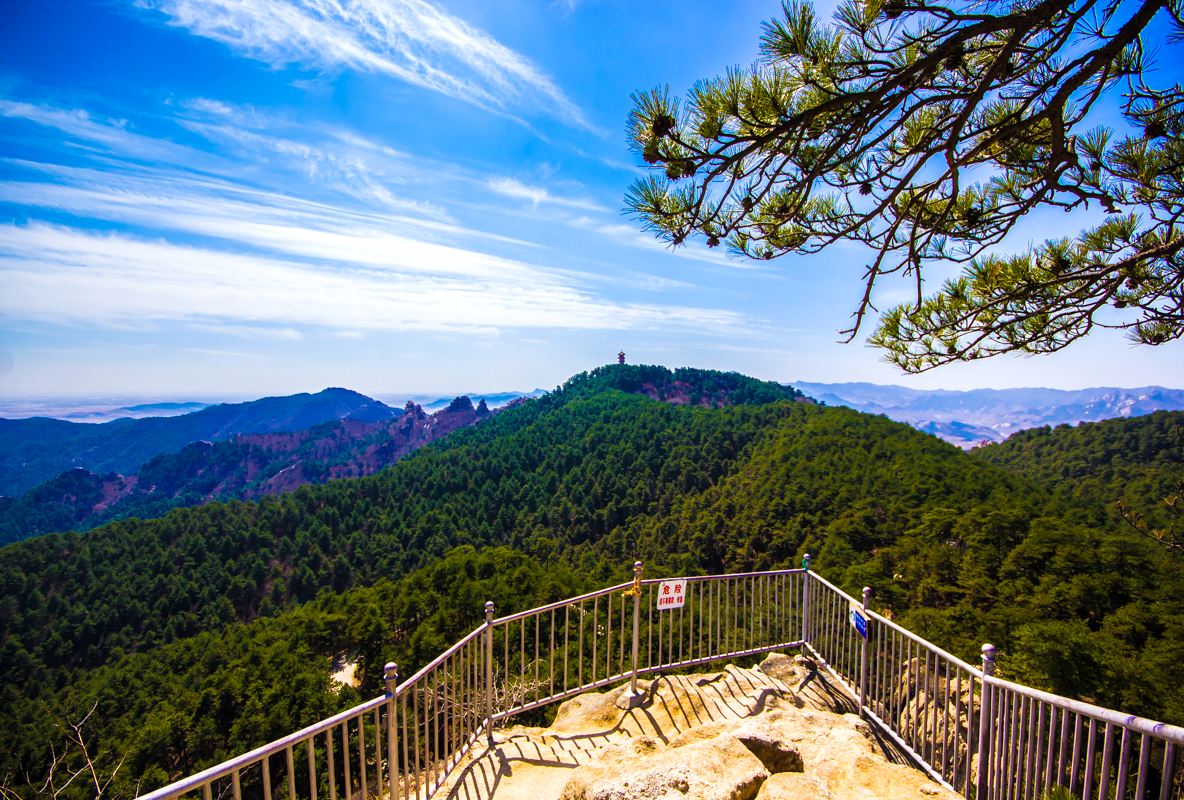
x,y
737,734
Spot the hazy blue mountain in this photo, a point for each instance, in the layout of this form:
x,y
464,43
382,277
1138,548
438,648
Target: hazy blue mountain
x,y
244,467
967,418
432,403
35,450
95,409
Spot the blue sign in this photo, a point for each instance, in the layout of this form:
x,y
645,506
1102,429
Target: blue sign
x,y
859,623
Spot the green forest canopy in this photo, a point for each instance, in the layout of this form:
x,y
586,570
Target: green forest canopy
x,y
187,631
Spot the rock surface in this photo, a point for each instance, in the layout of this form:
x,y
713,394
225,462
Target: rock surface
x,y
736,734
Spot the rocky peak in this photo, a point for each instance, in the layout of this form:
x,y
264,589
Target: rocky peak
x,y
482,409
460,405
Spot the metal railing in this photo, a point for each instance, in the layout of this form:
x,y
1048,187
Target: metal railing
x,y
984,737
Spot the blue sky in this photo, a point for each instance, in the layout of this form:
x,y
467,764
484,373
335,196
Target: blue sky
x,y
231,198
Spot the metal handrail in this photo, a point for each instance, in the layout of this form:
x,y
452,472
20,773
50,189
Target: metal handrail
x,y
982,736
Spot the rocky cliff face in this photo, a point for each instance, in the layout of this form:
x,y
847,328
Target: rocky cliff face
x,y
737,734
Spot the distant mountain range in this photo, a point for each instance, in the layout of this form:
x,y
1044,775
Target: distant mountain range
x,y
431,403
368,437
34,450
61,475
968,418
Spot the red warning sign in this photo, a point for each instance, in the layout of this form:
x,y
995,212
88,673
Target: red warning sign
x,y
672,594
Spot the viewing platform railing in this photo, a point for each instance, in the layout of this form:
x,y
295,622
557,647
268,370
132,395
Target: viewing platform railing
x,y
983,737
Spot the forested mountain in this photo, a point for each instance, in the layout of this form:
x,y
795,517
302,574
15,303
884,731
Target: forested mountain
x,y
968,418
246,466
35,450
1139,461
187,630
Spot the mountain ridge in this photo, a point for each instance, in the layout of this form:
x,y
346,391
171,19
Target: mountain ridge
x,y
971,417
37,449
243,467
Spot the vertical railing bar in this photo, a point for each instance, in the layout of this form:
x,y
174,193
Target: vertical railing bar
x,y
970,731
1024,748
735,614
999,701
1063,749
1020,755
935,683
1144,764
896,678
931,712
1015,753
595,632
719,616
332,767
452,737
377,754
551,681
417,743
1011,714
806,598
1056,726
1016,779
1049,748
909,690
292,773
1076,754
1090,749
622,639
312,768
1028,764
1039,781
207,792
349,787
1032,780
945,718
1167,775
826,631
608,637
1107,748
1124,755
650,601
361,757
410,779
266,762
236,785
686,627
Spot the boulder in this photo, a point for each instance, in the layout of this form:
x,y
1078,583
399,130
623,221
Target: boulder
x,y
718,769
792,786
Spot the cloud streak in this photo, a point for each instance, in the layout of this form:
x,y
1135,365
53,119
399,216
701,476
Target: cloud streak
x,y
58,274
410,40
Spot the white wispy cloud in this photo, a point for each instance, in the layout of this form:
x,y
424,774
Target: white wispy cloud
x,y
52,273
410,40
204,247
509,187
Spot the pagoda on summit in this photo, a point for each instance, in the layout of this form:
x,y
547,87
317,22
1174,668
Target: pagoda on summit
x,y
621,357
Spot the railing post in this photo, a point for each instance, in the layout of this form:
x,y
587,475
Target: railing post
x,y
982,785
489,672
637,567
806,599
867,593
390,674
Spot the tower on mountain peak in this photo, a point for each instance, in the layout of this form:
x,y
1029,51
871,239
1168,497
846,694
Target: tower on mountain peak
x,y
621,357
